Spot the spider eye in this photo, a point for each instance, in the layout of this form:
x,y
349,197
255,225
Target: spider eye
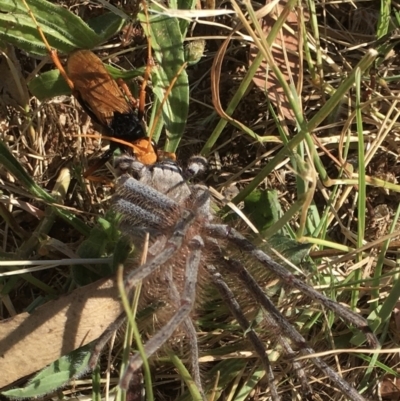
x,y
196,165
128,164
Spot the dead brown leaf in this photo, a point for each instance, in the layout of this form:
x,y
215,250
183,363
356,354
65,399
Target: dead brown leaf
x,y
390,388
29,342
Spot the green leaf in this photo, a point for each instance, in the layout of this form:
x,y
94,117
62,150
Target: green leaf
x,y
106,25
263,208
121,251
100,243
248,386
64,30
55,376
18,28
384,19
48,85
292,250
184,5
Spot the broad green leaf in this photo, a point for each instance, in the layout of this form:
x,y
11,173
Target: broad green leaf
x,y
18,27
184,5
55,376
93,247
263,208
121,251
49,84
292,250
106,25
64,30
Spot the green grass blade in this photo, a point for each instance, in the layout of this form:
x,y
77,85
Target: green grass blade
x,y
49,84
361,186
384,19
323,113
185,375
184,5
12,165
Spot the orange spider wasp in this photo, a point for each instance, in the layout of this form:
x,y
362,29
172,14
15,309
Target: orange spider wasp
x,y
106,102
103,100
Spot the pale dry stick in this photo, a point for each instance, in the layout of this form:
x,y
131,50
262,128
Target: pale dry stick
x,y
386,127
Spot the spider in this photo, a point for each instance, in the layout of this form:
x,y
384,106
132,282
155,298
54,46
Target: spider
x,y
159,200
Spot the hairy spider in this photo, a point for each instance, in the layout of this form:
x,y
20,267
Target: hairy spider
x,y
158,200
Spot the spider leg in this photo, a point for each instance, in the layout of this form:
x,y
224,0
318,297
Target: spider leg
x,y
194,351
173,245
298,367
224,231
104,338
153,214
131,191
189,329
186,305
234,307
256,342
237,268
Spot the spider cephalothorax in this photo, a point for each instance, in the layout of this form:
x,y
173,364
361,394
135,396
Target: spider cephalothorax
x,y
187,247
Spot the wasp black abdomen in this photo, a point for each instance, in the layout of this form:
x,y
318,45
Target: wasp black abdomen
x,y
126,126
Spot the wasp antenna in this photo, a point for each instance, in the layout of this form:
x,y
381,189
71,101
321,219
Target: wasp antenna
x,y
39,29
149,64
52,52
167,93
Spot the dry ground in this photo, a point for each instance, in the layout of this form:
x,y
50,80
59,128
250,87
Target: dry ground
x,y
343,203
